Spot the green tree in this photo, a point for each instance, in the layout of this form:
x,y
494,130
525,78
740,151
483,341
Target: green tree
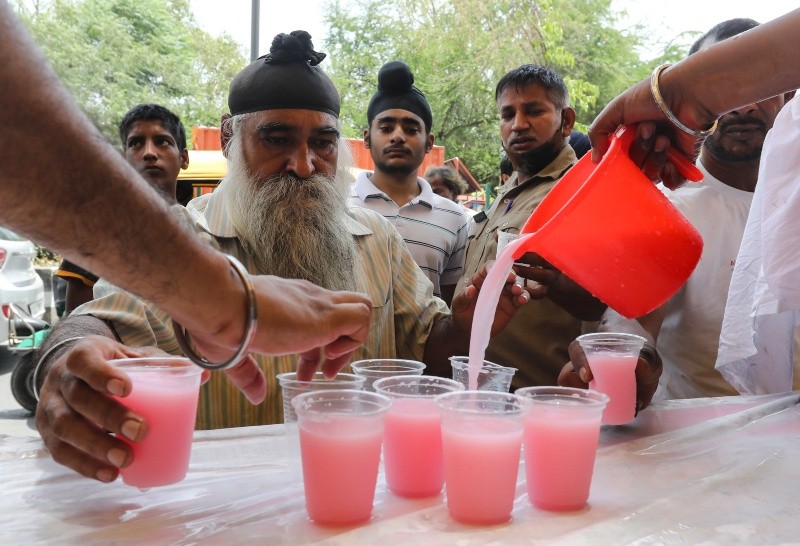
x,y
113,54
459,49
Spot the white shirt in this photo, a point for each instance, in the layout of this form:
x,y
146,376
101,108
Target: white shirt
x,y
690,332
435,229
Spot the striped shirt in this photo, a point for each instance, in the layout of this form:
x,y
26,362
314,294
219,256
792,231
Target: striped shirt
x,y
403,311
434,228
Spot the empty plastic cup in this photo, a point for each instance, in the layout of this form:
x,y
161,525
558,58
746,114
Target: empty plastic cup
x,y
481,442
492,377
164,392
340,445
612,357
561,431
412,442
378,368
291,387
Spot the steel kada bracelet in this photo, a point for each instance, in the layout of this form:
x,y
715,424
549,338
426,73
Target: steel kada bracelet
x,y
250,325
703,133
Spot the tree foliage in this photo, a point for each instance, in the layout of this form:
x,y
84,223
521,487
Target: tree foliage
x,y
459,49
113,54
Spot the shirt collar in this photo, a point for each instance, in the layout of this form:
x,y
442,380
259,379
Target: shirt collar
x,y
364,188
554,170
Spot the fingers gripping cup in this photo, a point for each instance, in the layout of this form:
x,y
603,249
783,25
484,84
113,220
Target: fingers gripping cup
x,y
373,369
561,431
491,377
164,392
612,357
291,387
412,444
340,445
481,441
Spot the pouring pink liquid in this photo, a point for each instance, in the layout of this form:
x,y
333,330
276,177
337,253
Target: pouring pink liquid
x,y
487,303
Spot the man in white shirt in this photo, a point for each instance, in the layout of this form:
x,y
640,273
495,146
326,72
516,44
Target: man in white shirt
x,y
399,135
686,329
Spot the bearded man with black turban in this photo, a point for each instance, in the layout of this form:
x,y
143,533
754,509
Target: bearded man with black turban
x,y
281,210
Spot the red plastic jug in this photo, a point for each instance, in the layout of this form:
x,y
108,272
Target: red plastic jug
x,y
608,228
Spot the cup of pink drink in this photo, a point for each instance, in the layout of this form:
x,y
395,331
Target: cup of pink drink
x,y
412,440
560,434
490,376
340,446
164,392
291,387
378,368
612,357
481,442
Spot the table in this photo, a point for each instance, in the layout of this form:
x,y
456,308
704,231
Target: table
x,y
723,471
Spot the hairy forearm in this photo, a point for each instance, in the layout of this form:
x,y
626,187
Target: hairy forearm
x,y
747,68
66,188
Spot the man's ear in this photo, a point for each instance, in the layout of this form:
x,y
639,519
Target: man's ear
x,y
567,121
225,133
429,142
366,138
184,159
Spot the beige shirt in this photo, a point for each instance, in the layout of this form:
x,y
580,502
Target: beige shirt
x,y
536,340
404,311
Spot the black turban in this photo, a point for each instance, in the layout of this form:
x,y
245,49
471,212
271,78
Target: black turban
x,y
287,77
396,90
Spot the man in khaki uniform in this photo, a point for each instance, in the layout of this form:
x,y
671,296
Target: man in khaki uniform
x,y
535,123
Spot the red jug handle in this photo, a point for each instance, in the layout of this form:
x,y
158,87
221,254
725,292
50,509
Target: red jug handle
x,y
624,137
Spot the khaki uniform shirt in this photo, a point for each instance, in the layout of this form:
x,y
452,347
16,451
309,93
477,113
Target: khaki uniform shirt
x,y
404,311
536,340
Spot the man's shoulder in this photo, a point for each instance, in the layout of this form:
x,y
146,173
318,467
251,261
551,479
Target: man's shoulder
x,y
368,218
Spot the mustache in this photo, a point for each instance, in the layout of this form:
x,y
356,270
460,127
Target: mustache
x,y
726,123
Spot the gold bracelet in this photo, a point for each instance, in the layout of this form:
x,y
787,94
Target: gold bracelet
x,y
703,133
250,326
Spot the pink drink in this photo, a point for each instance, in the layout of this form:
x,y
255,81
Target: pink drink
x,y
340,467
614,374
487,304
481,465
167,399
560,447
412,448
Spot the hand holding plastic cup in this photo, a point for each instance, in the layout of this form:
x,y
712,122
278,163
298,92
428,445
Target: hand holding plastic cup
x,y
481,441
561,431
164,392
340,445
378,368
291,387
612,357
491,377
412,443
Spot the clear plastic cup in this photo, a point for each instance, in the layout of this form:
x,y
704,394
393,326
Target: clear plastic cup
x,y
291,387
492,377
612,357
481,441
412,444
378,368
164,392
340,445
503,238
561,431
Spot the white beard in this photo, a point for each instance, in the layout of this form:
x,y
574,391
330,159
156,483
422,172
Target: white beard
x,y
292,228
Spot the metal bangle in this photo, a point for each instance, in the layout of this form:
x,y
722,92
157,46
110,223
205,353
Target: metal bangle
x,y
250,326
45,356
702,133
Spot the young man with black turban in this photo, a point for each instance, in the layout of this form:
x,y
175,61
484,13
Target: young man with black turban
x,y
281,210
398,136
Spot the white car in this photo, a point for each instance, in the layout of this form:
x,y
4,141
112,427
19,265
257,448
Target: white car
x,y
21,289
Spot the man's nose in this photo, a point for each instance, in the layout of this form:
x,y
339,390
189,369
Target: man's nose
x,y
150,150
519,122
301,162
397,136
